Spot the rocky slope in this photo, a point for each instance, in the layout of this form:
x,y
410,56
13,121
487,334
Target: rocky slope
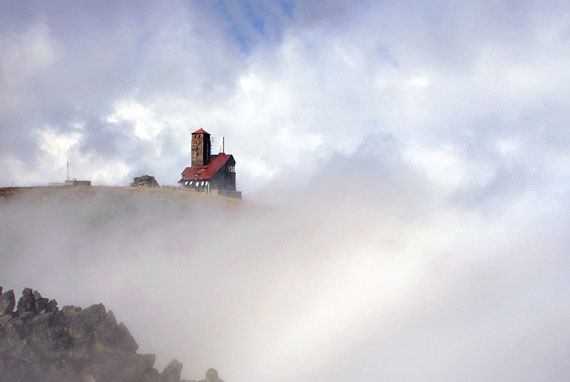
x,y
41,343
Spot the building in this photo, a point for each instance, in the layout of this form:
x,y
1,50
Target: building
x,y
210,173
75,183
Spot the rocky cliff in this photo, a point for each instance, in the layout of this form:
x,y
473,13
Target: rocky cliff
x,y
41,343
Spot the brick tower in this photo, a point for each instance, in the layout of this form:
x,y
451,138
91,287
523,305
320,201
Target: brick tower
x,y
200,148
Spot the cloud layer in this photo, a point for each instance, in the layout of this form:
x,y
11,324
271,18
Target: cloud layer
x,y
474,92
385,281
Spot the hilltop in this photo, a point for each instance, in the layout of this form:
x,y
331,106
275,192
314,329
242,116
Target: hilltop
x,y
172,193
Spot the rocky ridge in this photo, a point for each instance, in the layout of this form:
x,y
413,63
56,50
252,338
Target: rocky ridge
x,y
41,343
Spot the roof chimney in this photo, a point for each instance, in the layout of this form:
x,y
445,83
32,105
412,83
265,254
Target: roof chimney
x,y
222,149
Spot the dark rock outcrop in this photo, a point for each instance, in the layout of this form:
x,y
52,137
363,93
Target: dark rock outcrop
x,y
7,302
212,376
41,343
26,302
172,372
144,181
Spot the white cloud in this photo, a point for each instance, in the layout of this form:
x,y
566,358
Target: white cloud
x,y
291,103
146,125
420,82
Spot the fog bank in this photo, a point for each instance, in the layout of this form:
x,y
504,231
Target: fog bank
x,y
348,277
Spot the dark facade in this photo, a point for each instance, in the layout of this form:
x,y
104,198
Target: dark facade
x,y
225,177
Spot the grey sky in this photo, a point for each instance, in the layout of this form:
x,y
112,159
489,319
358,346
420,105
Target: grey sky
x,y
116,88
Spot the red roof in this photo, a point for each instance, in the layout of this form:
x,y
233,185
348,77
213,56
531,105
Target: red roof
x,y
208,170
201,131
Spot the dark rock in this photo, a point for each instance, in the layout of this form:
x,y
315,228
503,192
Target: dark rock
x,y
25,314
7,302
26,302
82,323
109,335
51,306
36,295
172,372
212,376
150,376
144,181
40,343
5,319
149,360
41,304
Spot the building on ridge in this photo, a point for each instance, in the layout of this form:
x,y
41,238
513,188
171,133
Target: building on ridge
x,y
210,173
75,183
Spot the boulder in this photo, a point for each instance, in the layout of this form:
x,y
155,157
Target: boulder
x,y
7,302
41,305
172,372
212,376
150,376
144,181
26,302
51,306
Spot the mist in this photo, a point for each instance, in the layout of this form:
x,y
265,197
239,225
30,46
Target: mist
x,y
404,166
345,278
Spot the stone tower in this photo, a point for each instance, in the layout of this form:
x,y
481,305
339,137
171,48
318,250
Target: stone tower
x,y
200,148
